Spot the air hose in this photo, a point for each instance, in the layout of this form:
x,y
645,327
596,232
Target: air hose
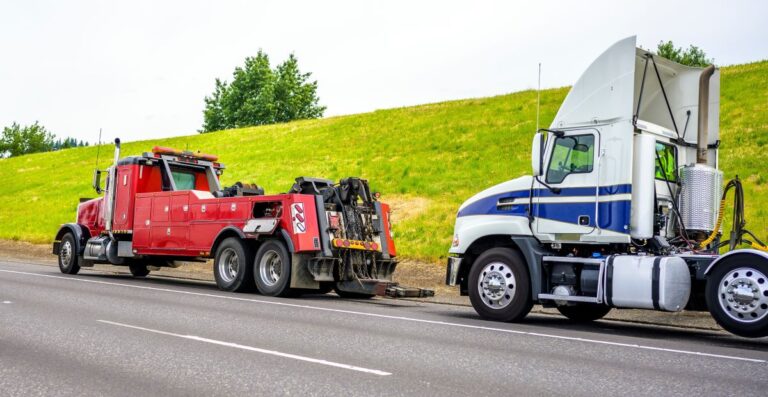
x,y
737,231
716,231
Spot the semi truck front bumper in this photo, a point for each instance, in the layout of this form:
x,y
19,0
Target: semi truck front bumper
x,y
452,270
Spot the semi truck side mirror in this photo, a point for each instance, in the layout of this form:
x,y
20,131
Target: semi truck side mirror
x,y
537,153
97,181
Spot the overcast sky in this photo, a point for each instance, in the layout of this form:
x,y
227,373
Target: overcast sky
x,y
140,69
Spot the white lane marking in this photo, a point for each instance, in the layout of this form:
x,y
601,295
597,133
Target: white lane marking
x,y
417,320
7,302
253,349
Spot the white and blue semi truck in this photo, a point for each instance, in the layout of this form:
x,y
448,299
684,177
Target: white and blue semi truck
x,y
624,208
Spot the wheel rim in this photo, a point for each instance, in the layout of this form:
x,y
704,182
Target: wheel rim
x,y
497,285
66,254
743,295
270,268
229,265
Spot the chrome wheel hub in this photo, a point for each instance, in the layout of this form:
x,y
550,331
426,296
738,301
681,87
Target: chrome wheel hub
x,y
270,268
66,254
496,285
229,265
744,294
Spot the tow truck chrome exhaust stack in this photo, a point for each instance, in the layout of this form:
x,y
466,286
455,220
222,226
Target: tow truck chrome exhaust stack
x,y
111,189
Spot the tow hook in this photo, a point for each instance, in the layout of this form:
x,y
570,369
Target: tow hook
x,y
395,290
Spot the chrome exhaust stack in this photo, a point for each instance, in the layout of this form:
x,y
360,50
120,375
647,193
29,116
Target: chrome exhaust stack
x,y
701,154
111,189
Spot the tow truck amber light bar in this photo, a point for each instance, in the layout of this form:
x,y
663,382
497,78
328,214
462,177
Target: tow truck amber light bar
x,y
176,152
355,244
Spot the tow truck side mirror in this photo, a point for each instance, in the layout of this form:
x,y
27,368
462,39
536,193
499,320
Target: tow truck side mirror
x,y
537,154
97,181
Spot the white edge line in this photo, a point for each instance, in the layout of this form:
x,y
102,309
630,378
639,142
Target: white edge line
x,y
253,349
418,320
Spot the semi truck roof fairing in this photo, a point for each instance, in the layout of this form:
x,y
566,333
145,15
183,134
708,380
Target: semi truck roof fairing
x,y
608,92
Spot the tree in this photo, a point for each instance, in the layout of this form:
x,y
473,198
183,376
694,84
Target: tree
x,y
693,56
18,140
261,95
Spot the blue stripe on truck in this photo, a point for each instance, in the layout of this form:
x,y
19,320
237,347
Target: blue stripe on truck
x,y
614,215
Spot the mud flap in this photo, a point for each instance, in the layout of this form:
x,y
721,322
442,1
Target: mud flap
x,y
300,275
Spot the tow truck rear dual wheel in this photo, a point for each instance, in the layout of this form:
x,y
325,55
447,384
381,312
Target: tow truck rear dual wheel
x,y
584,312
138,270
232,266
737,295
68,259
272,269
499,285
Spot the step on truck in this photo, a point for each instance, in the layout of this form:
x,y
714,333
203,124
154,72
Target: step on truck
x,y
624,208
167,207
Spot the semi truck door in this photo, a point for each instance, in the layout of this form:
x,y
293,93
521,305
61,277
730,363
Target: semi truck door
x,y
568,209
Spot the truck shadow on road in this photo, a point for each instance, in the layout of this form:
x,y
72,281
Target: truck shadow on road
x,y
535,322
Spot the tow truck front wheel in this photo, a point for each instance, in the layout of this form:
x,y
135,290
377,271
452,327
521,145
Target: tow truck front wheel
x,y
499,286
231,268
272,269
737,295
68,260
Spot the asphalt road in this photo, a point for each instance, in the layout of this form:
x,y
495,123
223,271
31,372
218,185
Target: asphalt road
x,y
106,334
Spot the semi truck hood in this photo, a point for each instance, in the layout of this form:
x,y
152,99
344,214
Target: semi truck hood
x,y
475,203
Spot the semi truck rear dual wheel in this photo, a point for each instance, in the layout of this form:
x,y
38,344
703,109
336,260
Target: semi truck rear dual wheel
x,y
69,263
272,269
499,285
232,266
584,312
737,295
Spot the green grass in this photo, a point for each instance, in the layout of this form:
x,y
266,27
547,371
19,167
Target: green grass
x,y
426,160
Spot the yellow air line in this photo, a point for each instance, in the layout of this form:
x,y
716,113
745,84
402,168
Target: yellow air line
x,y
758,246
714,233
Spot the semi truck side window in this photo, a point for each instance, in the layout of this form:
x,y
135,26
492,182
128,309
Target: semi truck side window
x,y
183,180
571,155
666,162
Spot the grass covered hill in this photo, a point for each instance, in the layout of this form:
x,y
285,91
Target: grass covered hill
x,y
425,160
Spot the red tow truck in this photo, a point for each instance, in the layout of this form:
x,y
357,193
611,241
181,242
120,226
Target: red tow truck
x,y
167,207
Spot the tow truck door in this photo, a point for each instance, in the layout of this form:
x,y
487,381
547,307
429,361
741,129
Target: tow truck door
x,y
568,208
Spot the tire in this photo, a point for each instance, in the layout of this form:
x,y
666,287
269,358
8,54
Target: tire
x,y
737,295
584,312
232,266
505,294
138,270
272,269
352,295
69,262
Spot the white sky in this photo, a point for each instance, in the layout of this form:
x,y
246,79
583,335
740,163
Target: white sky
x,y
140,69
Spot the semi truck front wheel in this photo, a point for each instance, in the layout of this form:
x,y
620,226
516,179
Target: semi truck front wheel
x,y
499,286
737,295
